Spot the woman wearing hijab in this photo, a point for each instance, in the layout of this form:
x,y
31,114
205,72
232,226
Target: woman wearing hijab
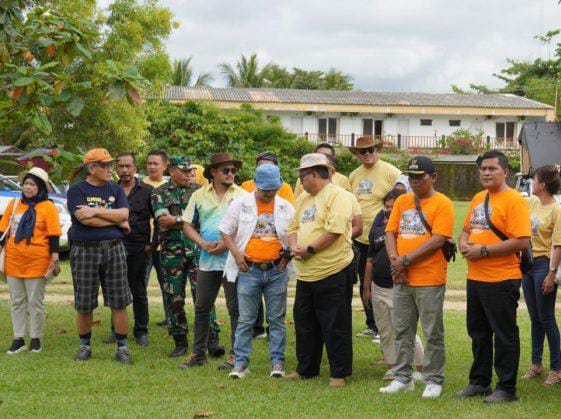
x,y
32,228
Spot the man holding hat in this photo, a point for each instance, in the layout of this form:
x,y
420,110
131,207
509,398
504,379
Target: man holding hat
x,y
207,207
255,230
321,246
420,224
100,212
370,183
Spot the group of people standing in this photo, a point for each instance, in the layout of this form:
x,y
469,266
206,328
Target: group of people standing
x,y
390,231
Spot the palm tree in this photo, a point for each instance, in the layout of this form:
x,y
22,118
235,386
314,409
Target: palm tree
x,y
183,74
337,80
246,72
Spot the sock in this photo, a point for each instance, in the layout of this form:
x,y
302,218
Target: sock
x,y
85,339
121,340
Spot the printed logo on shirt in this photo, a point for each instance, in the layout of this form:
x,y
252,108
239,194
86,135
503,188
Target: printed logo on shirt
x,y
365,187
15,223
97,202
535,225
410,225
309,214
265,228
477,221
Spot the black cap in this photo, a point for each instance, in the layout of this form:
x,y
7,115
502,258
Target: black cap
x,y
267,155
419,165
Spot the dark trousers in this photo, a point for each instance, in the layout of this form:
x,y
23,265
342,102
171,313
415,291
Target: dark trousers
x,y
541,309
156,262
259,326
491,314
361,266
322,314
208,285
136,270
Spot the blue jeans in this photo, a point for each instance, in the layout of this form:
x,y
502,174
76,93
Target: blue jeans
x,y
272,284
542,313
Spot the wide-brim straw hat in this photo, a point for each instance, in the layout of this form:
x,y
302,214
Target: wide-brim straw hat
x,y
314,160
36,171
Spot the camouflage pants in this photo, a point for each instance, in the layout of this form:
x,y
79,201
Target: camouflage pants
x,y
176,269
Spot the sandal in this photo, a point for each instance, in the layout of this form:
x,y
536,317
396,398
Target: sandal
x,y
553,378
534,372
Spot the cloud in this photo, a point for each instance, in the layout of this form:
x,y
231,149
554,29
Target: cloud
x,y
397,45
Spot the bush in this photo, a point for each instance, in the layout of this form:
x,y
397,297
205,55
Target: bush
x,y
462,141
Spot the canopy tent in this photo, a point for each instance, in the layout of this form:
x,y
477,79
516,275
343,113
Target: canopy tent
x,y
540,145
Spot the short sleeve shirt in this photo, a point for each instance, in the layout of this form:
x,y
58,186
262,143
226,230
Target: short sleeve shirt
x,y
337,179
108,196
406,223
510,214
546,226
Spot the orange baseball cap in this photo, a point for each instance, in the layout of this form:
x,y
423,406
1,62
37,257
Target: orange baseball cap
x,y
97,155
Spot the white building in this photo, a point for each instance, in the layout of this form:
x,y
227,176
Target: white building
x,y
407,120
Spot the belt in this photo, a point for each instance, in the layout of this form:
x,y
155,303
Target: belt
x,y
264,266
105,244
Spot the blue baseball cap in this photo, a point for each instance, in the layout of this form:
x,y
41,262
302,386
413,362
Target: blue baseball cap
x,y
267,177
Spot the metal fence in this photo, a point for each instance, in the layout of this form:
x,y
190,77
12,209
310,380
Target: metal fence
x,y
411,142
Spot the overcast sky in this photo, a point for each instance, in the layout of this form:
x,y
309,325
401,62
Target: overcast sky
x,y
386,45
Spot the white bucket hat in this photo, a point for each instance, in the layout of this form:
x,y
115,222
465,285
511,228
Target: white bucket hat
x,y
40,173
313,160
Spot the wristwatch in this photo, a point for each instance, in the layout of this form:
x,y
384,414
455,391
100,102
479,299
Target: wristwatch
x,y
553,270
178,219
311,250
406,261
484,252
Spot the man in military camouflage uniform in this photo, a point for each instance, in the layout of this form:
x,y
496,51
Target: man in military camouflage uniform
x,y
178,253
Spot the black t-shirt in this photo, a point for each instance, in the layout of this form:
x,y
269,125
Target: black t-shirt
x,y
109,196
140,213
381,274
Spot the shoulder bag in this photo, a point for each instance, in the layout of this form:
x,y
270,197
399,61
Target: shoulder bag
x,y
449,248
5,237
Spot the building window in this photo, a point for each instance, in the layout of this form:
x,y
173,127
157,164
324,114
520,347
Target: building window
x,y
455,122
505,130
327,128
372,127
426,122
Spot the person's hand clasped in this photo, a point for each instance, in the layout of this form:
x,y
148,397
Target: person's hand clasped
x,y
166,221
471,251
299,252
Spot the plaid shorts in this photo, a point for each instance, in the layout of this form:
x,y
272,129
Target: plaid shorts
x,y
95,266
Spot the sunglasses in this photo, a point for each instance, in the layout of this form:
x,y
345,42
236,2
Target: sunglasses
x,y
227,170
303,174
369,150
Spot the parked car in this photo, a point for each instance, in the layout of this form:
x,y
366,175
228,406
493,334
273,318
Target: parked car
x,y
10,189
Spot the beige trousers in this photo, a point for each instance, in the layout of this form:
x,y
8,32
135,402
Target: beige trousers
x,y
27,294
382,305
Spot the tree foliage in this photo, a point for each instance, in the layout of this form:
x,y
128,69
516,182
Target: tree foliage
x,y
183,74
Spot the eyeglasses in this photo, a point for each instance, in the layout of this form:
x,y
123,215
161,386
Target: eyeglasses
x,y
303,174
227,170
369,150
104,165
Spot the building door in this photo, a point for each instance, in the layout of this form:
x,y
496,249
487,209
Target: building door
x,y
403,131
327,129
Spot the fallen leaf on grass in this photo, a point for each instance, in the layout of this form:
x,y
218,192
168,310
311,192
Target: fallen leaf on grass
x,y
96,322
60,330
220,385
152,366
205,414
289,322
219,322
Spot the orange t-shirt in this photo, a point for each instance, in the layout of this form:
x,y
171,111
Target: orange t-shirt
x,y
285,190
23,261
264,244
510,214
406,223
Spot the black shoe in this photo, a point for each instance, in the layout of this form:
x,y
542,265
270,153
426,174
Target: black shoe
x,y
228,363
122,355
473,390
215,350
181,346
163,323
193,361
141,340
500,396
111,339
35,345
84,353
18,345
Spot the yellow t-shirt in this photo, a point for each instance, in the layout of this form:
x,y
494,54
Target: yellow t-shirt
x,y
370,185
153,183
546,226
199,178
328,211
337,179
285,190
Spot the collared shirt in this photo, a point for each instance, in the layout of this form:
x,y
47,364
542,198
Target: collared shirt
x,y
172,200
206,209
140,213
337,179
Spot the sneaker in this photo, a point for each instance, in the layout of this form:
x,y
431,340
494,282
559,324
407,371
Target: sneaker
x,y
141,340
367,333
193,361
277,371
239,371
84,353
18,345
163,323
473,390
419,377
535,371
123,356
337,382
35,345
432,391
376,340
500,396
294,376
228,363
397,387
111,339
389,375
